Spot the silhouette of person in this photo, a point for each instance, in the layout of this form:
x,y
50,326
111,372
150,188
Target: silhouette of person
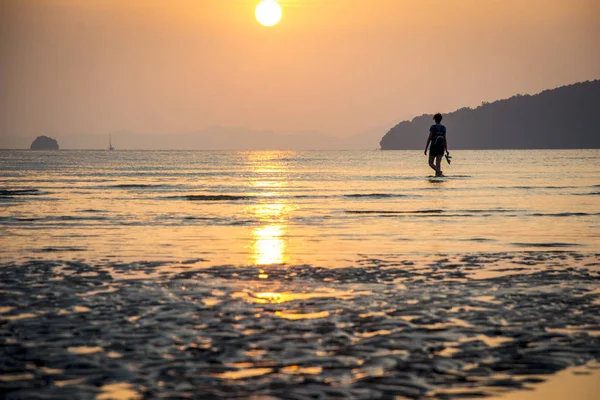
x,y
437,144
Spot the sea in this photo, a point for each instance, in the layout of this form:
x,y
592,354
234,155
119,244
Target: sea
x,y
321,208
299,275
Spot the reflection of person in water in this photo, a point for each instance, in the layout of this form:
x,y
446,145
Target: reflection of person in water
x,y
437,139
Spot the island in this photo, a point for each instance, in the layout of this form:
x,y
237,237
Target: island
x,y
44,143
561,118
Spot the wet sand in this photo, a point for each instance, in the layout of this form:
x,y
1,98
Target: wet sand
x,y
455,326
582,383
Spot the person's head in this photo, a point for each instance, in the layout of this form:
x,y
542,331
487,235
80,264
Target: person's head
x,y
437,118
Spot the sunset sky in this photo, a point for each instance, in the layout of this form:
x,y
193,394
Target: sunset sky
x,y
340,67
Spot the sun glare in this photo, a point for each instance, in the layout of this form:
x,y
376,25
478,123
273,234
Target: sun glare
x,y
268,12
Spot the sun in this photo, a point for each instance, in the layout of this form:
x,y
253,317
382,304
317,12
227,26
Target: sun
x,y
268,12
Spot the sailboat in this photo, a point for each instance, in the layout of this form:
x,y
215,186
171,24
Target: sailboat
x,y
110,146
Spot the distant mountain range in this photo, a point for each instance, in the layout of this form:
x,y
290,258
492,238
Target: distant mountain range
x,y
212,138
566,117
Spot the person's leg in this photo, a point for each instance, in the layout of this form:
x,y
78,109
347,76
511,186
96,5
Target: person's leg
x,y
431,164
438,164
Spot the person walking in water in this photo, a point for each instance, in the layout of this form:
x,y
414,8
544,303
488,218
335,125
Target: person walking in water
x,y
437,144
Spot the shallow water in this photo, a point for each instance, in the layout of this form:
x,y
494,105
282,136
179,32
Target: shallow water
x,y
296,275
274,207
382,329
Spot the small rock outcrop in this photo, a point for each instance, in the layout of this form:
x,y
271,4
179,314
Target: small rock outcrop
x,y
44,143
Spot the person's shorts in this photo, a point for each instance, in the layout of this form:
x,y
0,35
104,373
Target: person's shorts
x,y
436,151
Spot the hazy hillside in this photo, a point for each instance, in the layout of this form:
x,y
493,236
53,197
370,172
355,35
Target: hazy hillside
x,y
213,138
566,117
560,118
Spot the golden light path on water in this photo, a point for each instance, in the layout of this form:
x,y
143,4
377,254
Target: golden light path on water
x,y
269,246
268,239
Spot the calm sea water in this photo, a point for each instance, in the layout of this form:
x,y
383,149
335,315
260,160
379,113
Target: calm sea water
x,y
273,207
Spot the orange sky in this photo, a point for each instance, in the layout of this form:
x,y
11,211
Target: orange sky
x,y
337,66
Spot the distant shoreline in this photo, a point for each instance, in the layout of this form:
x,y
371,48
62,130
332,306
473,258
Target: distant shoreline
x,y
327,150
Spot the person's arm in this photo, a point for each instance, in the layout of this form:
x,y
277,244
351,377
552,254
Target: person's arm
x,y
446,144
446,141
428,140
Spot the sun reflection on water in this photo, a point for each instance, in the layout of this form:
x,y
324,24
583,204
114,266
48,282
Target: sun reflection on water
x,y
269,246
268,239
285,297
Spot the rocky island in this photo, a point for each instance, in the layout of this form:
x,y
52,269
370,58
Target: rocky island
x,y
44,143
562,118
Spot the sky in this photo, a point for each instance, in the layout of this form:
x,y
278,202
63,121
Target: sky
x,y
338,67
